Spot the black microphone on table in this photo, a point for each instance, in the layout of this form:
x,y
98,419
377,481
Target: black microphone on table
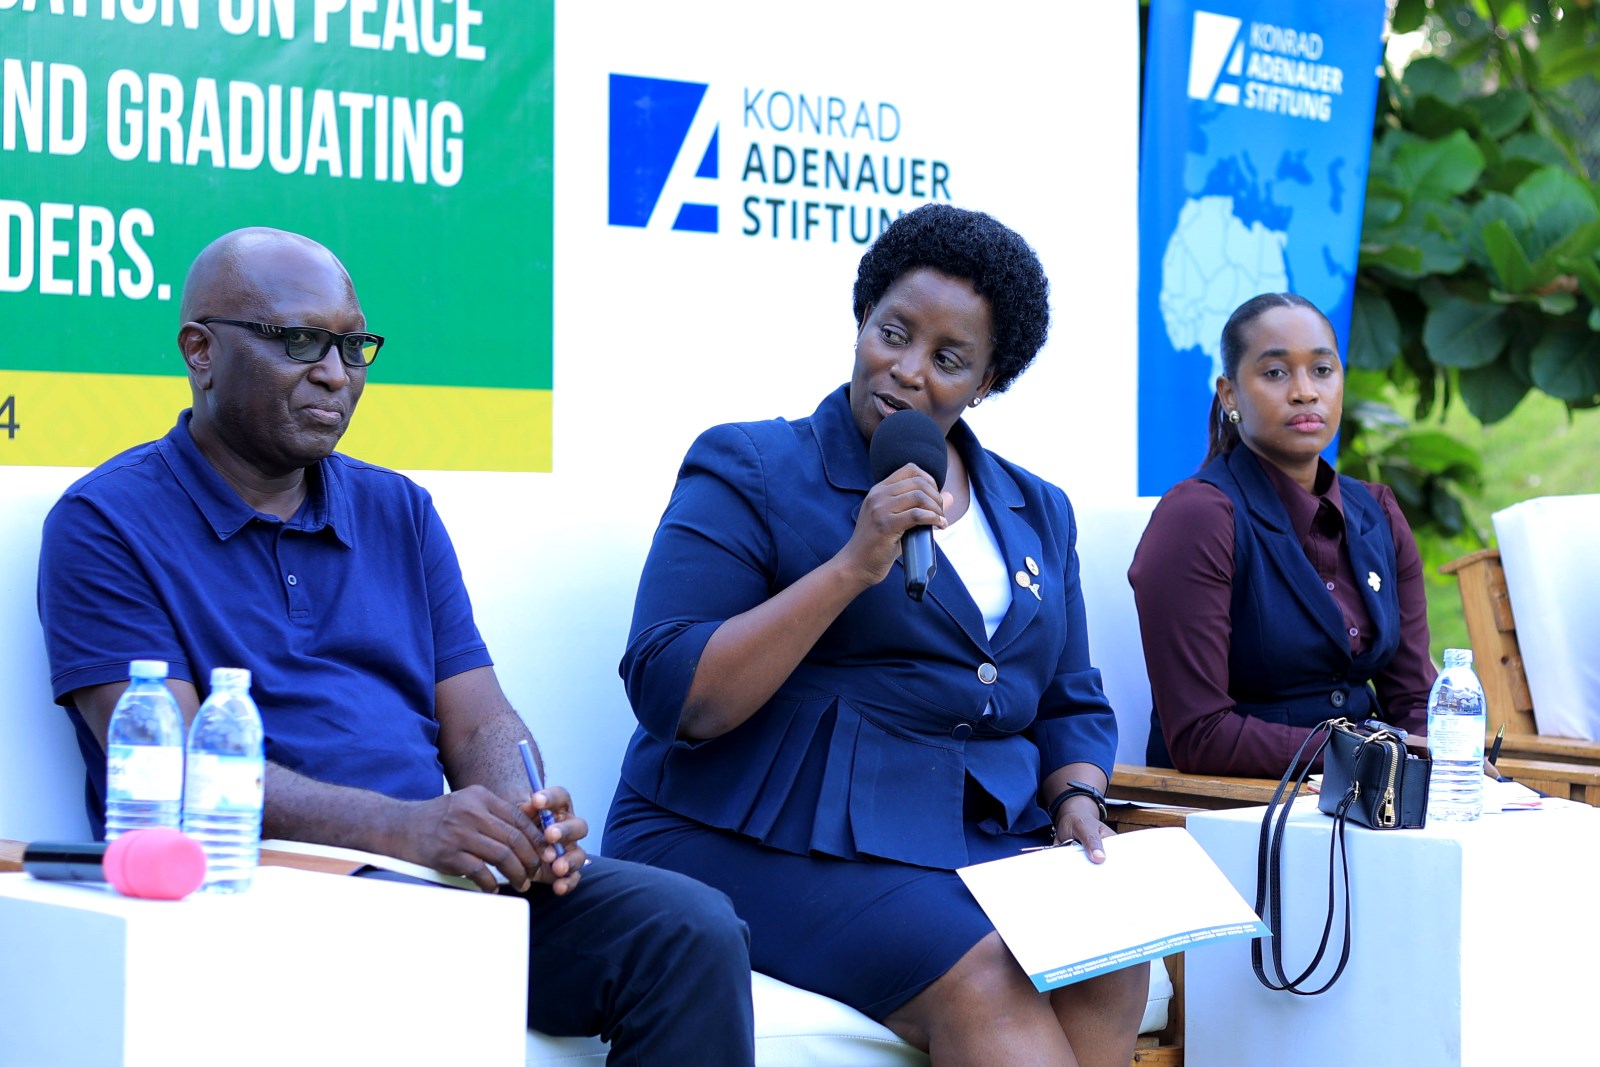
x,y
911,437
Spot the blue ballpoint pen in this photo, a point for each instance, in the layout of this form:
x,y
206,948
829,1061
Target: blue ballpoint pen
x,y
545,818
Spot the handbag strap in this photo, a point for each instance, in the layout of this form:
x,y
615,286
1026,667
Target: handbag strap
x,y
1269,868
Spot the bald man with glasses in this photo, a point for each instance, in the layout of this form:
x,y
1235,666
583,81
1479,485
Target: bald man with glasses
x,y
242,538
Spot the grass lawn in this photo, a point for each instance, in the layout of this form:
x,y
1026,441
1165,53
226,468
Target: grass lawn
x,y
1538,450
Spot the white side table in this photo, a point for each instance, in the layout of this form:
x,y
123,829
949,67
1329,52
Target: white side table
x,y
304,969
1473,943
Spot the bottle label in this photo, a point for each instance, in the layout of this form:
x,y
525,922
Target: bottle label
x,y
224,783
144,772
1456,737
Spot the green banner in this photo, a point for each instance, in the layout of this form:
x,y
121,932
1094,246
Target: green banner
x,y
412,137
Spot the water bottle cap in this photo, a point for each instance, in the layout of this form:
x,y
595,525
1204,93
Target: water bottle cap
x,y
1458,657
147,668
230,678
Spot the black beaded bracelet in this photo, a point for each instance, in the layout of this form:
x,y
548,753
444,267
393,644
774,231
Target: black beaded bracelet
x,y
1077,789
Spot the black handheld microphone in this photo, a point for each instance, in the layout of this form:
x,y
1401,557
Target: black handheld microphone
x,y
911,437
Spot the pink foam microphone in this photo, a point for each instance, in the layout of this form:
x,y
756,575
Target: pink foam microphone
x,y
155,864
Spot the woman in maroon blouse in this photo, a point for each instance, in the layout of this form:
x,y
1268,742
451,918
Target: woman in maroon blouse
x,y
1272,593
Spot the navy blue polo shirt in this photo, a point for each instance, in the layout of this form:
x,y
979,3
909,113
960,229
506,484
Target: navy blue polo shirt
x,y
347,615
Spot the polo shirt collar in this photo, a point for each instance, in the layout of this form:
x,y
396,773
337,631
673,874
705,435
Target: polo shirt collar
x,y
327,504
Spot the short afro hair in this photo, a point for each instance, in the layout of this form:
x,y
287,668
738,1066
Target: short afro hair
x,y
971,245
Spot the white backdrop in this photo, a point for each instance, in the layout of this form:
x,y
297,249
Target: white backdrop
x,y
660,334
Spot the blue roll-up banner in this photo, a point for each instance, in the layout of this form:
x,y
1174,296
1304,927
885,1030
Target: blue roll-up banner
x,y
1257,132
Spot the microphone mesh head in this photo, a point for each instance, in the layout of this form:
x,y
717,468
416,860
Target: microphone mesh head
x,y
908,437
156,864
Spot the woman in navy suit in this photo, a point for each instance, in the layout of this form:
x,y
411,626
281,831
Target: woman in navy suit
x,y
827,750
1272,593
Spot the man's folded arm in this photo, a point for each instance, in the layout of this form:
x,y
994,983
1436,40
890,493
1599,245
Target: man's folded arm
x,y
463,832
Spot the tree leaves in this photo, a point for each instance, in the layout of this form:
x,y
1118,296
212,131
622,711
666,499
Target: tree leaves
x,y
1408,15
1511,266
1566,362
1464,333
1438,169
1567,49
1431,77
1501,112
1491,392
1479,273
1480,257
1374,332
1557,202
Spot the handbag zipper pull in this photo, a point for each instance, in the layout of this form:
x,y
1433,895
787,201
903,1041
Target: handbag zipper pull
x,y
1386,810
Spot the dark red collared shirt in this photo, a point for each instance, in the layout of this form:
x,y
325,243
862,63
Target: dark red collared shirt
x,y
1182,577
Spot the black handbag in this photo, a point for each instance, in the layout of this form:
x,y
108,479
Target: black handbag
x,y
1370,777
1374,777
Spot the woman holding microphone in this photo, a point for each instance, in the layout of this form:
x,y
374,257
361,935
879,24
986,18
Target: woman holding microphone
x,y
826,749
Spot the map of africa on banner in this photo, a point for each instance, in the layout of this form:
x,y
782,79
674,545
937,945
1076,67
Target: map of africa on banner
x,y
1257,132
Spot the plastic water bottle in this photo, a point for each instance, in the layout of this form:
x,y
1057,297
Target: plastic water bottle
x,y
226,765
144,753
1456,727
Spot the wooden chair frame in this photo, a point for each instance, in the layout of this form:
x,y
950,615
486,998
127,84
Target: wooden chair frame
x,y
1178,795
1526,755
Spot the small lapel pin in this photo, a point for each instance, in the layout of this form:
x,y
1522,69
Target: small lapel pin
x,y
1034,589
1023,579
1033,568
1374,581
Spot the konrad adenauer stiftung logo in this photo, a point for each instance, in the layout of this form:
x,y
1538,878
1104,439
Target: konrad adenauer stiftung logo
x,y
1271,68
811,166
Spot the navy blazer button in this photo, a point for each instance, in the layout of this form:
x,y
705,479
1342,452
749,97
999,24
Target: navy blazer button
x,y
962,731
987,673
1336,698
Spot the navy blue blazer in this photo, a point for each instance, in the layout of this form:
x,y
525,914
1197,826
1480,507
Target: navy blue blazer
x,y
1289,660
867,748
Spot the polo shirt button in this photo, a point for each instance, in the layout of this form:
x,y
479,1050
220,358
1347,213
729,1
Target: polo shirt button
x,y
1354,632
1336,698
292,580
987,673
1330,587
962,731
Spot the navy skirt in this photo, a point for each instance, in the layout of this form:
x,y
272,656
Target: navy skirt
x,y
870,934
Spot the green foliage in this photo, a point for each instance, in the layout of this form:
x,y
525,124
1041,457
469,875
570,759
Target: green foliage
x,y
1427,468
1539,449
1479,277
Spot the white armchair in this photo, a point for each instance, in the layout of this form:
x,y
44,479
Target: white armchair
x,y
1548,549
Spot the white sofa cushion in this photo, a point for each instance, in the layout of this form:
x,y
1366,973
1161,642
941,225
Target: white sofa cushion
x,y
41,773
796,1028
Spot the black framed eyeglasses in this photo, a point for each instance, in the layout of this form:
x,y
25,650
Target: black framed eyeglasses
x,y
308,344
